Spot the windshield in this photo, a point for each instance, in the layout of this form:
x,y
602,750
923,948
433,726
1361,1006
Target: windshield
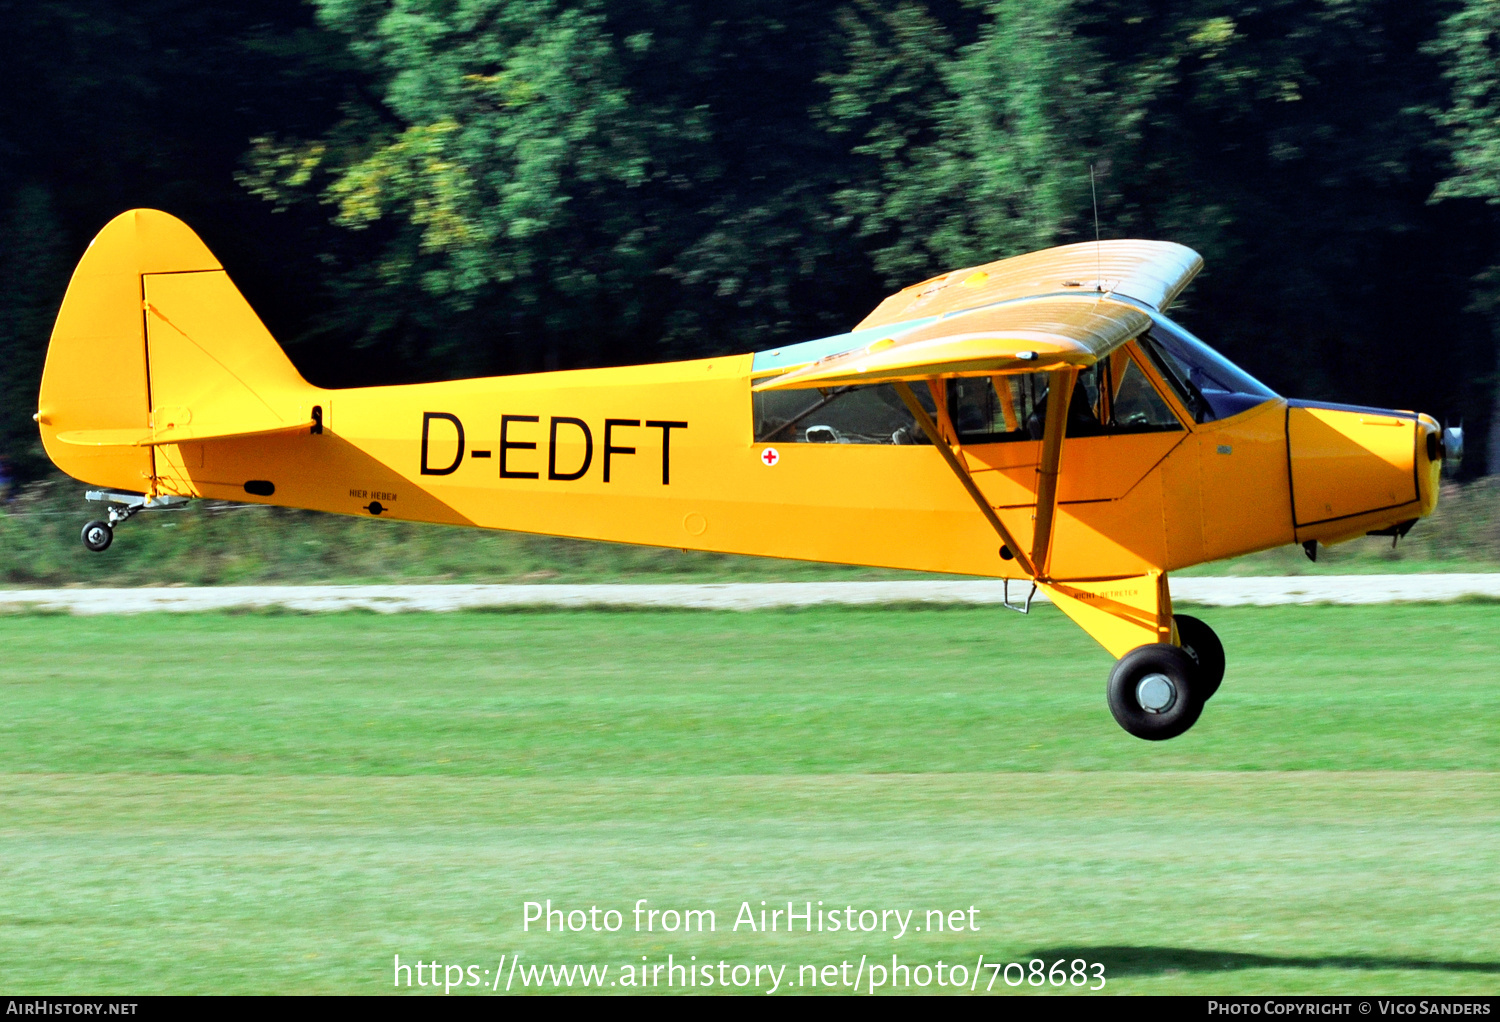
x,y
1208,383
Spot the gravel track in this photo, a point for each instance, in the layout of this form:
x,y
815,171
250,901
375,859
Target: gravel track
x,y
1264,591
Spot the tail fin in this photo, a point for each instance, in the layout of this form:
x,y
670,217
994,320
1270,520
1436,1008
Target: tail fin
x,y
154,345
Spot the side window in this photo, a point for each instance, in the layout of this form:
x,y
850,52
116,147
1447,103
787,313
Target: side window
x,y
843,415
1110,397
1113,396
997,409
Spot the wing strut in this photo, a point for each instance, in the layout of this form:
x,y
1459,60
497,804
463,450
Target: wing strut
x,y
940,442
1059,397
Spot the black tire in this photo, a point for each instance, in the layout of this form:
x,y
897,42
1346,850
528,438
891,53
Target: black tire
x,y
1199,642
1161,668
97,536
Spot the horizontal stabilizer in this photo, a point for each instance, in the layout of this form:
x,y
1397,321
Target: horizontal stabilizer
x,y
1028,335
169,435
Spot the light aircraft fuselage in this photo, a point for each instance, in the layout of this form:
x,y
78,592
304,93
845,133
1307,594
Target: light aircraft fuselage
x,y
930,438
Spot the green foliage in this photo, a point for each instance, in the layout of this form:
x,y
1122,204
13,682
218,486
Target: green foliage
x,y
515,134
1290,142
1469,46
979,151
568,181
33,271
462,187
111,105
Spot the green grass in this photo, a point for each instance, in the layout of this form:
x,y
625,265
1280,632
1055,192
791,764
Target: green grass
x,y
280,803
213,544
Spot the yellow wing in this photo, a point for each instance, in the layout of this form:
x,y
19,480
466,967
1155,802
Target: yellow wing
x,y
1020,336
1043,310
1151,272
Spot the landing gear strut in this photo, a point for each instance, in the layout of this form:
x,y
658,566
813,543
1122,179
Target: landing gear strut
x,y
98,535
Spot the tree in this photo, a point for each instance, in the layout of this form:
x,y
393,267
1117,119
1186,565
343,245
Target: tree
x,y
461,187
1286,140
33,271
111,105
979,150
1469,47
572,182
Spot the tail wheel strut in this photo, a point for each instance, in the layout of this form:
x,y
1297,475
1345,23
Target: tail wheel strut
x,y
98,535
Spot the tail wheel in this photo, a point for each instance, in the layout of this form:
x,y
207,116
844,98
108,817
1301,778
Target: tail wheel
x,y
1154,692
97,536
1199,642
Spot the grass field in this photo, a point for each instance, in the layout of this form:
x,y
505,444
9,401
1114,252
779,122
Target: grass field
x,y
281,803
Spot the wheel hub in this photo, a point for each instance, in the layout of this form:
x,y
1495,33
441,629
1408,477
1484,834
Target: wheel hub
x,y
1156,693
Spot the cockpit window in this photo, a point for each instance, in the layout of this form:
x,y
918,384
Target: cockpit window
x,y
1209,384
1112,396
992,410
1137,407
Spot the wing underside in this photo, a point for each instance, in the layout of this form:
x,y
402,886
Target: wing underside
x,y
1028,335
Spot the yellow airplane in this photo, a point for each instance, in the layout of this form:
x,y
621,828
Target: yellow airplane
x,y
1036,419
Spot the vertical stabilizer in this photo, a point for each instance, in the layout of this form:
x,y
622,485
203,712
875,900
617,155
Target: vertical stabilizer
x,y
154,342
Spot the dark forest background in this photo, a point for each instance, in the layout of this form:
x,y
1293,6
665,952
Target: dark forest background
x,y
423,189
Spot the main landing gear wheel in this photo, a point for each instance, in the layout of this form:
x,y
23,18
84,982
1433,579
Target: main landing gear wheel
x,y
1199,642
97,536
1154,692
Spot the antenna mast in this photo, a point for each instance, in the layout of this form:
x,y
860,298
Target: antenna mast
x,y
1098,253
